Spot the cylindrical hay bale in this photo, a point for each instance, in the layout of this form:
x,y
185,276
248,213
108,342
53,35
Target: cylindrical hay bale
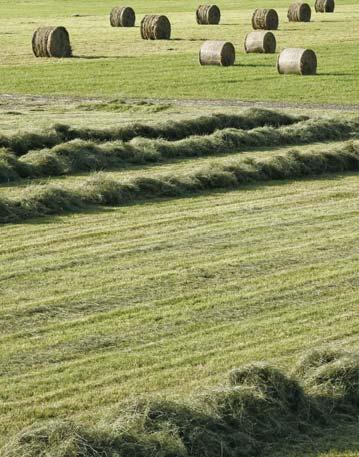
x,y
208,15
260,41
324,6
155,28
266,19
297,61
51,42
122,16
217,53
299,12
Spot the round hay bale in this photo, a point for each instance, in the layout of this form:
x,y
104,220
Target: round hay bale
x,y
266,19
324,6
208,14
297,61
260,41
155,27
299,12
122,16
217,53
51,42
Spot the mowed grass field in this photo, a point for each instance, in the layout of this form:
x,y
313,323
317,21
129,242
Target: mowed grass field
x,y
117,62
161,298
146,268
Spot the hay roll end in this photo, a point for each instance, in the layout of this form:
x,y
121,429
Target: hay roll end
x,y
208,15
217,53
51,42
122,16
260,41
297,61
155,27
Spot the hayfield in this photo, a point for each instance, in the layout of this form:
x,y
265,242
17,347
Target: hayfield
x,y
118,62
177,279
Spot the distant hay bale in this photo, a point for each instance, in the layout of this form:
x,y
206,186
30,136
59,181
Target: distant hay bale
x,y
266,19
299,12
217,53
51,42
260,41
208,14
122,16
155,27
297,61
324,6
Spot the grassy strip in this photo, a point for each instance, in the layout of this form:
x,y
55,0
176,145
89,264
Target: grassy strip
x,y
259,407
50,199
80,155
24,142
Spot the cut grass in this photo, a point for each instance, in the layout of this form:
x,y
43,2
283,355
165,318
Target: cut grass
x,y
102,306
259,408
49,199
82,156
117,62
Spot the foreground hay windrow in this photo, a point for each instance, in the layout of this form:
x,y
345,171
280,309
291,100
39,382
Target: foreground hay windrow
x,y
258,407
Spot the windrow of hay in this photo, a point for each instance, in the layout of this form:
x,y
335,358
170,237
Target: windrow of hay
x,y
324,6
154,27
299,12
297,61
259,408
21,143
260,41
217,53
266,19
81,156
51,42
122,16
208,14
48,199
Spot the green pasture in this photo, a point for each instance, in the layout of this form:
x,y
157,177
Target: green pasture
x,y
116,62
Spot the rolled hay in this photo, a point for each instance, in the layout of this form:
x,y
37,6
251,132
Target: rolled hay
x,y
297,61
260,41
266,19
299,12
208,15
324,6
51,42
122,16
217,53
155,27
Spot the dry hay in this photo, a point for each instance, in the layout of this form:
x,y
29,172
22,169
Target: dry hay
x,y
297,61
260,41
324,6
208,14
266,19
155,27
217,53
51,42
122,16
299,12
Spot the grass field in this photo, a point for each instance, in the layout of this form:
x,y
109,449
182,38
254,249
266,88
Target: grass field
x,y
146,252
117,62
113,304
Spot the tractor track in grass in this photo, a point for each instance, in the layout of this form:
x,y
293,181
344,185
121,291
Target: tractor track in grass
x,y
19,101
